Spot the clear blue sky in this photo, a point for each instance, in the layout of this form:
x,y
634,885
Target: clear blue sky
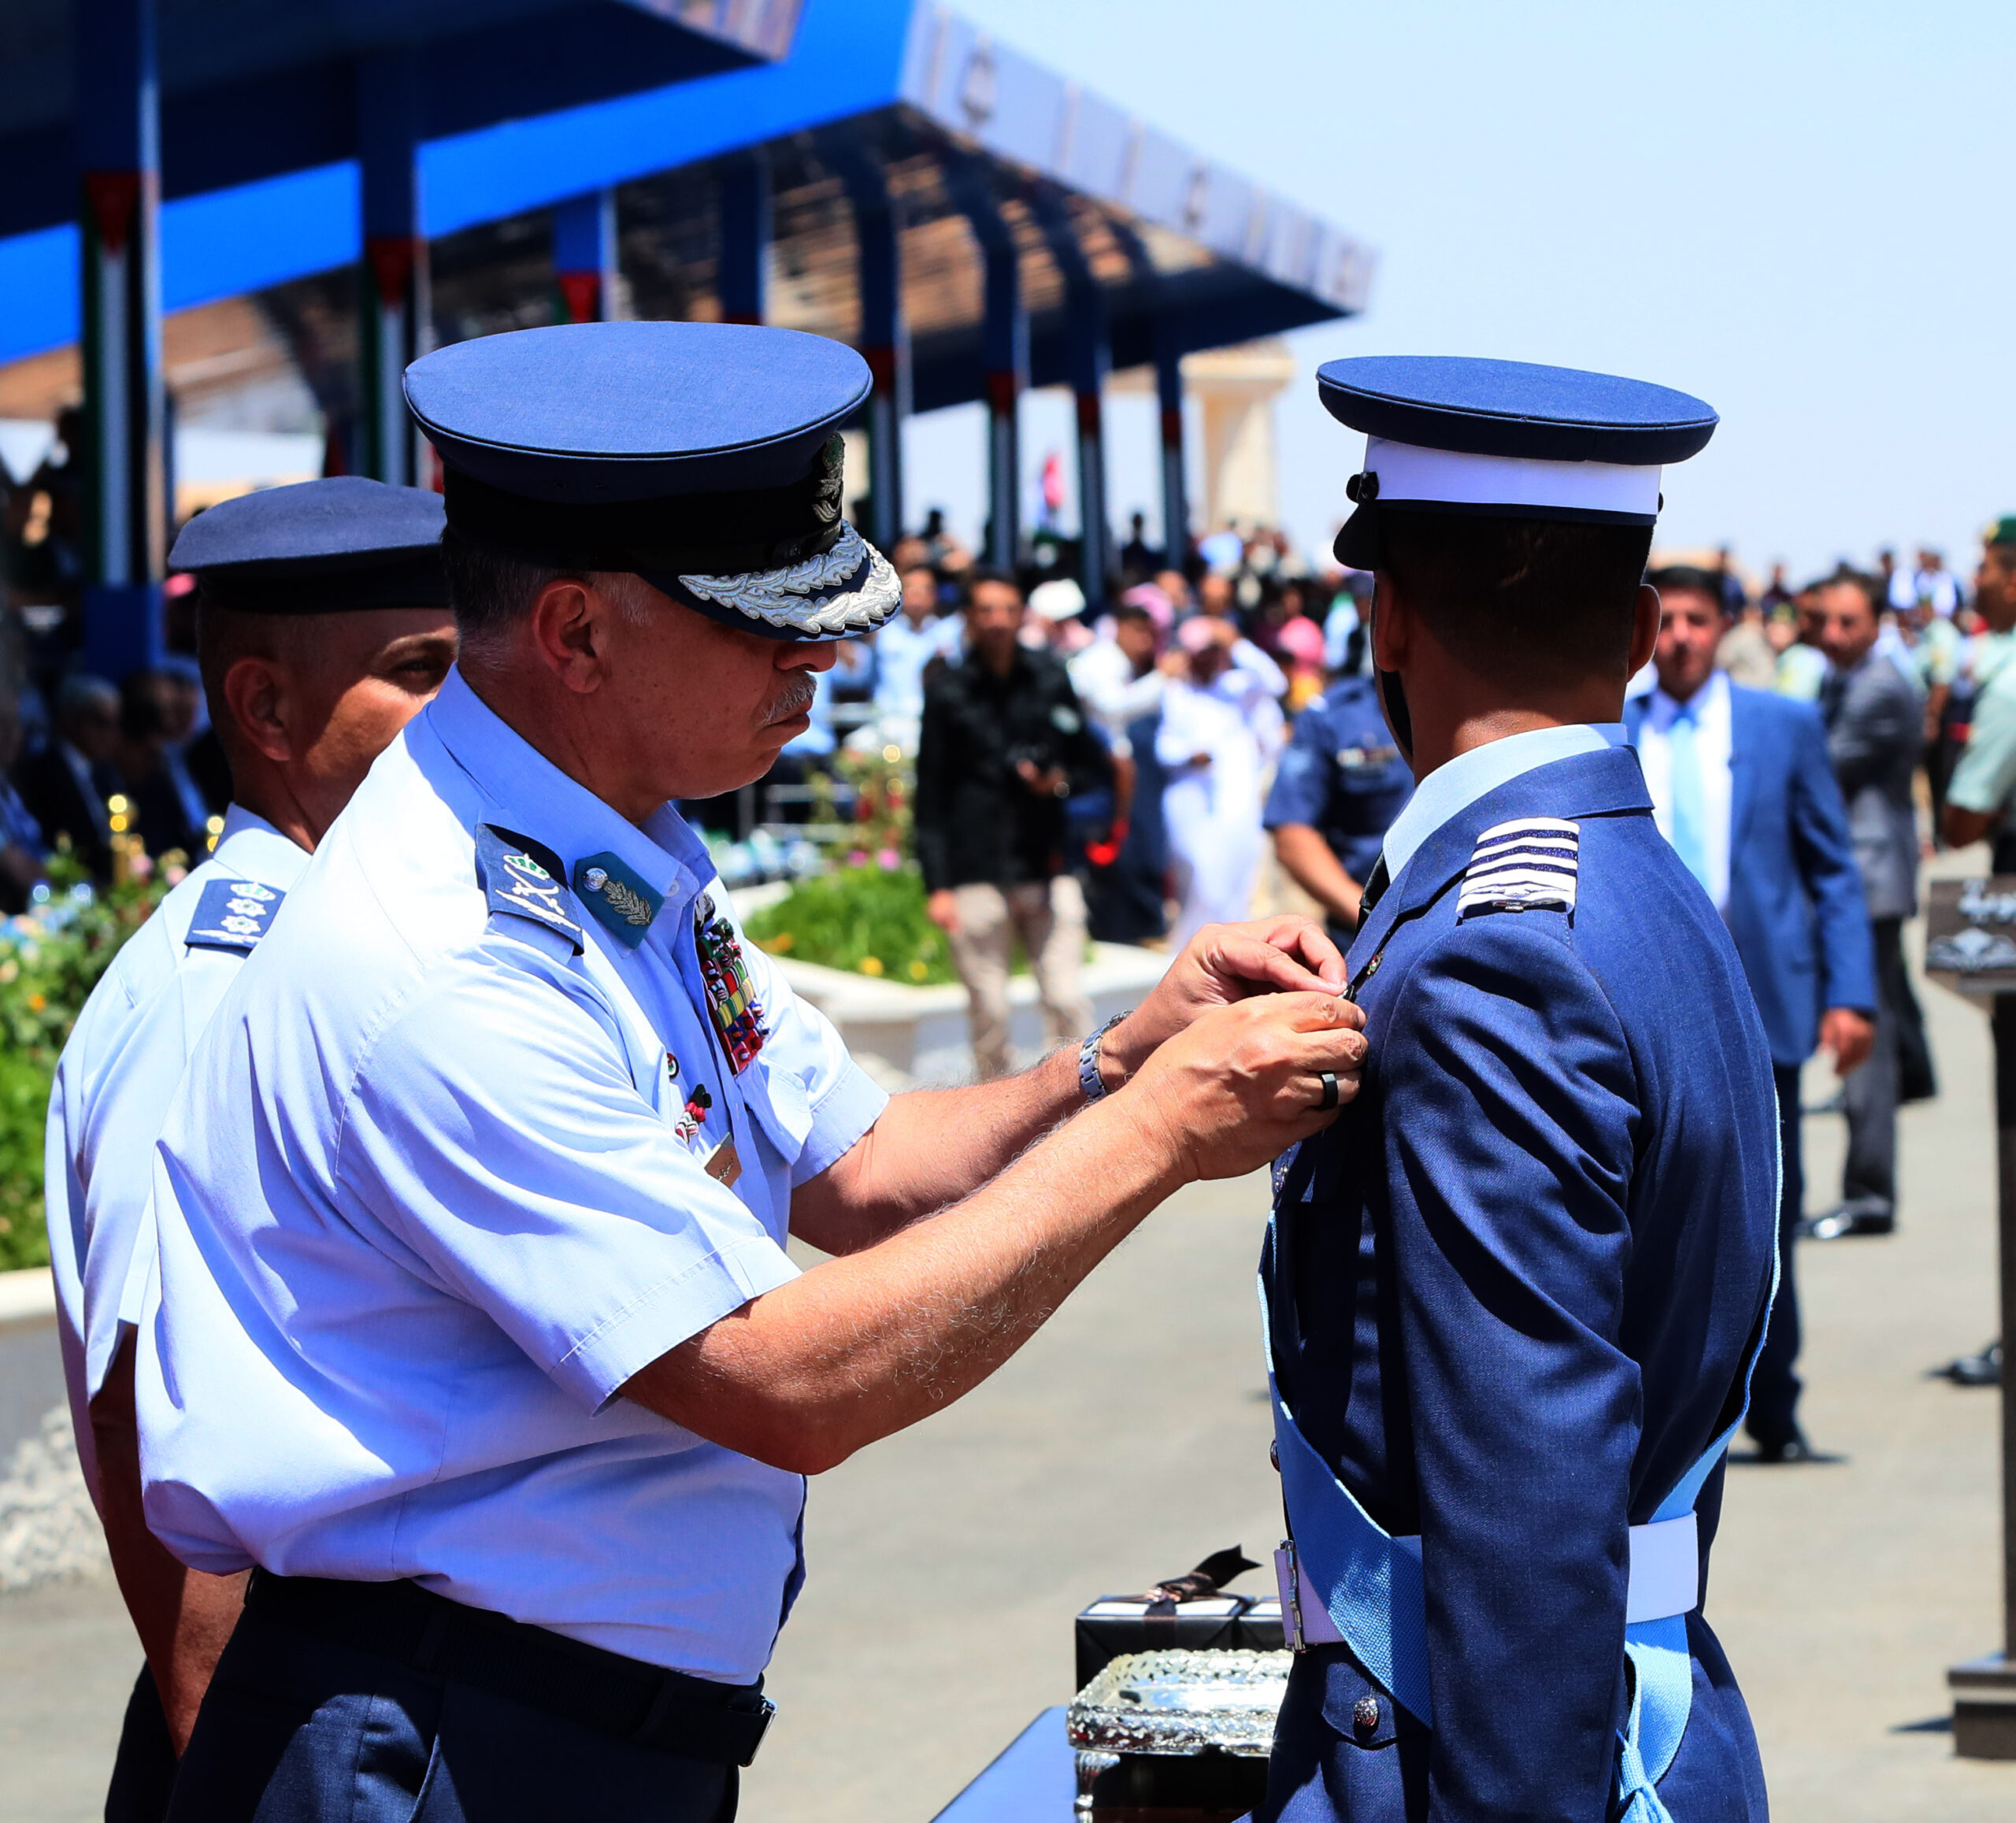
x,y
1804,213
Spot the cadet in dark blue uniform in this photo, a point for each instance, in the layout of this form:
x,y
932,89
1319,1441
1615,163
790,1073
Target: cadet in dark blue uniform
x,y
1515,1293
1338,788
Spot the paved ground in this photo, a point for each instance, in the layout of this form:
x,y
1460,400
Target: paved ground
x,y
1130,1438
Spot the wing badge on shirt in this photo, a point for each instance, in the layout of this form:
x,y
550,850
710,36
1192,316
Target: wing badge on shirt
x,y
234,915
731,1001
525,878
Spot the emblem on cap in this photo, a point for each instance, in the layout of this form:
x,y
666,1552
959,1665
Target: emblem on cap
x,y
779,598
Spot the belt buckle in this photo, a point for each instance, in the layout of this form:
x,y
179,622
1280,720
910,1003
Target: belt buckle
x,y
1288,1571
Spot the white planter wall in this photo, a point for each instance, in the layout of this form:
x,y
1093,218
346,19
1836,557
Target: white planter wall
x,y
904,1035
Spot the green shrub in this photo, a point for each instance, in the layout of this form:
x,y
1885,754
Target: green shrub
x,y
868,920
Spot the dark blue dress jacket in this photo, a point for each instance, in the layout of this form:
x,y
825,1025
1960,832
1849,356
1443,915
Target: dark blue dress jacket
x,y
1529,1266
1796,909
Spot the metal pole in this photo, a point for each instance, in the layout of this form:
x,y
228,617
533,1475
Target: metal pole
x,y
584,256
125,479
392,300
1005,344
1984,1689
885,340
745,206
1091,360
1176,491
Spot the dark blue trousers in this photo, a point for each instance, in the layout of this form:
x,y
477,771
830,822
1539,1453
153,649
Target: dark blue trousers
x,y
1774,1386
143,1772
296,1730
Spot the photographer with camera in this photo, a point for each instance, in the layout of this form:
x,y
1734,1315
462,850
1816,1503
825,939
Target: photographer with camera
x,y
1005,743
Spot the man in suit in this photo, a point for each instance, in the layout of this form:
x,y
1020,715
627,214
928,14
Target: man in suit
x,y
1875,738
65,785
1515,1292
1742,788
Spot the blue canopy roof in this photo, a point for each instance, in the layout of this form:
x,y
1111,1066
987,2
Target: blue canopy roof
x,y
905,83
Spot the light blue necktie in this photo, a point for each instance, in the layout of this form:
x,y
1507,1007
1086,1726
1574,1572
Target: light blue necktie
x,y
1690,808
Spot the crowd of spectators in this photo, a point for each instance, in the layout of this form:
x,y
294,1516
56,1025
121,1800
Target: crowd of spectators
x,y
74,747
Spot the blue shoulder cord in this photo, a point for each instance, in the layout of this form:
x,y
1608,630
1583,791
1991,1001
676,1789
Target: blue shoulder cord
x,y
1372,1583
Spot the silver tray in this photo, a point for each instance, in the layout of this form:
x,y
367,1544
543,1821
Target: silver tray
x,y
1181,1703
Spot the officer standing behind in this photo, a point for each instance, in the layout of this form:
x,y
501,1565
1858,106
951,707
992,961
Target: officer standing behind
x,y
323,625
1515,1293
1336,793
476,1330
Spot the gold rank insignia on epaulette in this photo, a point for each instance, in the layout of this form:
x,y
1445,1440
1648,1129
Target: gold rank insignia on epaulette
x,y
1527,864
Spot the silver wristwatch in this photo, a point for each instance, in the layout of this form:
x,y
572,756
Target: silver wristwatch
x,y
1088,1060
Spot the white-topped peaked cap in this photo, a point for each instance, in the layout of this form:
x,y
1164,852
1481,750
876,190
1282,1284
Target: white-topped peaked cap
x,y
1505,438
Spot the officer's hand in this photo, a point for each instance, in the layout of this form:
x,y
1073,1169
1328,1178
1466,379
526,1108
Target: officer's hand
x,y
1221,964
1244,1082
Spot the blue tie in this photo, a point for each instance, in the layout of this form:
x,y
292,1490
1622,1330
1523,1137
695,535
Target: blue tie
x,y
1690,808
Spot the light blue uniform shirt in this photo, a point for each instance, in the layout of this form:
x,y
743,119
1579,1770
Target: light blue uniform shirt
x,y
434,1191
113,1085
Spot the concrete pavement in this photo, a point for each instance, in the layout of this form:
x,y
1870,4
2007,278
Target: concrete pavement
x,y
1130,1438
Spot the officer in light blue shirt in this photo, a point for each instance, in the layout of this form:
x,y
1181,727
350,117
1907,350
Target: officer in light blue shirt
x,y
323,624
476,1332
1337,789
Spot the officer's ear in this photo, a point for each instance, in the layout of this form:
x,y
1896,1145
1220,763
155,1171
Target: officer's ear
x,y
1392,625
258,693
568,631
1645,629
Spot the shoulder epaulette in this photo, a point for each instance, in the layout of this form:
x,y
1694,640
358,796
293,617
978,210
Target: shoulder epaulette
x,y
1527,864
233,914
525,879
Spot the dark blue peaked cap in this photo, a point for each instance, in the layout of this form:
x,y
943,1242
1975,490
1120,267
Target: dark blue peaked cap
x,y
704,457
317,548
1505,438
1512,408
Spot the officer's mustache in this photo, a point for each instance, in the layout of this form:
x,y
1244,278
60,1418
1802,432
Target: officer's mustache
x,y
794,698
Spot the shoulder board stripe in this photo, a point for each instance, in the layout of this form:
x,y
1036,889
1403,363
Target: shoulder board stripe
x,y
1528,864
233,915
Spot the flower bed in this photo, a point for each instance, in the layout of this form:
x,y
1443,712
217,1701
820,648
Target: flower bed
x,y
867,920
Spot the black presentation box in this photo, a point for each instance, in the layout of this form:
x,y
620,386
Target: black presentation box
x,y
1117,1624
1260,1626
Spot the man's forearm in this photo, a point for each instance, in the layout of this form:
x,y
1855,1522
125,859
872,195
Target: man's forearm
x,y
862,1346
184,1618
1314,867
930,1149
1964,826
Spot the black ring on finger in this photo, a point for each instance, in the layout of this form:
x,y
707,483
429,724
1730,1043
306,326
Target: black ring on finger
x,y
1329,1083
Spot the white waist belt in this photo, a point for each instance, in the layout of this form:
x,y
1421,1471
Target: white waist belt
x,y
1665,1580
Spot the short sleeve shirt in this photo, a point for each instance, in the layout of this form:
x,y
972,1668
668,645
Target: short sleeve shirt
x,y
116,1078
1985,779
1343,776
437,1185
